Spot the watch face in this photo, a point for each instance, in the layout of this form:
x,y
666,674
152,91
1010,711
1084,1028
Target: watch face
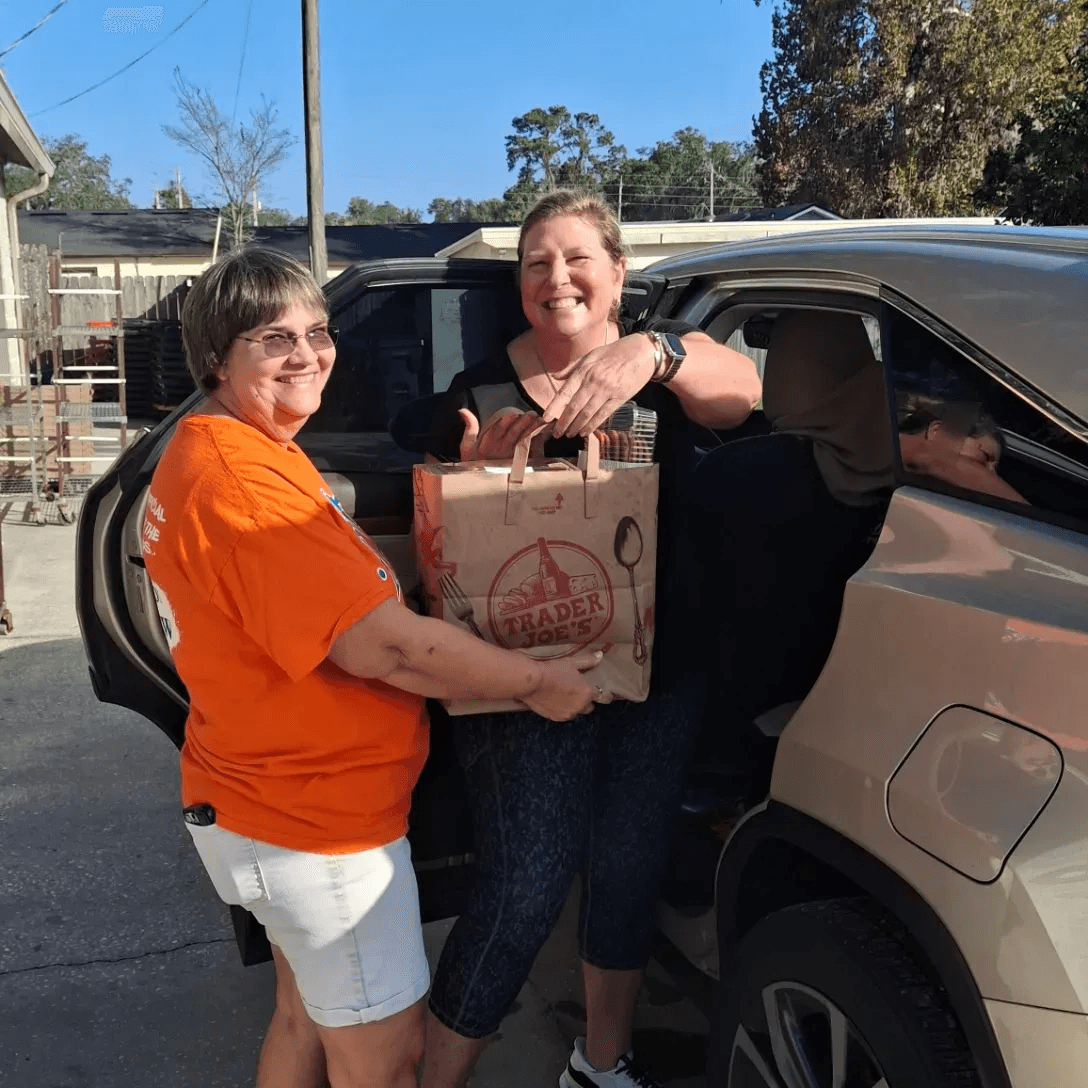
x,y
673,345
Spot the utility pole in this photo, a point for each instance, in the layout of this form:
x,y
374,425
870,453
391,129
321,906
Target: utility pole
x,y
256,207
315,184
619,203
711,219
181,202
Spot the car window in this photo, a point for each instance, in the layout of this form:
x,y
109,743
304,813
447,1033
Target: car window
x,y
397,344
744,325
960,427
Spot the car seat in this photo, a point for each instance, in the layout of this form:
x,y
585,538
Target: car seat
x,y
777,549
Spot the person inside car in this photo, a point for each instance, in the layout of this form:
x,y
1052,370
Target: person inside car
x,y
786,519
954,441
596,797
306,676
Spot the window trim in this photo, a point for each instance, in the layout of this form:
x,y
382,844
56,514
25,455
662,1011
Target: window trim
x,y
1015,385
1028,450
1036,398
702,301
847,296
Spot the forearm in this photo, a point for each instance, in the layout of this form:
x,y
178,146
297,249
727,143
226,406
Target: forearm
x,y
445,662
433,658
927,459
974,477
716,386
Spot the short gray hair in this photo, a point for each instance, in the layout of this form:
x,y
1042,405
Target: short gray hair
x,y
240,291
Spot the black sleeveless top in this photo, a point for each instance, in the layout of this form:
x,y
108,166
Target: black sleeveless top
x,y
433,426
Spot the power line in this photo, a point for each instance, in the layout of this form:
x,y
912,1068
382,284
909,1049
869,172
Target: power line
x,y
245,40
103,82
41,22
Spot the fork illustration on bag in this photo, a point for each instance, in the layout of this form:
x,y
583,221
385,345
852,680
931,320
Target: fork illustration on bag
x,y
462,606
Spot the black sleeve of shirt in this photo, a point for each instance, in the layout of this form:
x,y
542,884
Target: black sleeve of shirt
x,y
431,424
492,371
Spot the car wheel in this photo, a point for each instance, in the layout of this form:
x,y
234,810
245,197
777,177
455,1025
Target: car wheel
x,y
827,995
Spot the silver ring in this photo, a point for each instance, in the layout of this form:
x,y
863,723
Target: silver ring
x,y
600,690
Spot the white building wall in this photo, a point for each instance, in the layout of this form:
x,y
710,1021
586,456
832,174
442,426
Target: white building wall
x,y
12,369
18,144
650,242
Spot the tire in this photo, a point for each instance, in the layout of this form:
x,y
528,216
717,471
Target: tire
x,y
836,969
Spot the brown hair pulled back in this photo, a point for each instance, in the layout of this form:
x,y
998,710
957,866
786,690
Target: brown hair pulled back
x,y
592,207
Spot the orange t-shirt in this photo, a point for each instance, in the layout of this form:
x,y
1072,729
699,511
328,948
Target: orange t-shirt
x,y
257,570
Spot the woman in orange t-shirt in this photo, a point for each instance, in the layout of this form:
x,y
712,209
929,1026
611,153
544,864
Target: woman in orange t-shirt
x,y
306,677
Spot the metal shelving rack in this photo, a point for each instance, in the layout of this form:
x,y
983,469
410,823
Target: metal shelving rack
x,y
93,412
21,407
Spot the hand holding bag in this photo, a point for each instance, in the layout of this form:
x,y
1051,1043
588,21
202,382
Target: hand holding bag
x,y
544,557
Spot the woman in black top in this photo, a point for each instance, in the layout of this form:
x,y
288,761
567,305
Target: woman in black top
x,y
594,795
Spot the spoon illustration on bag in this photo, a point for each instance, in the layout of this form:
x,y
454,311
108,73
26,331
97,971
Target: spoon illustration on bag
x,y
628,549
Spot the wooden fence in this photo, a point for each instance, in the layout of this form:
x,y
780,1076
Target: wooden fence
x,y
148,298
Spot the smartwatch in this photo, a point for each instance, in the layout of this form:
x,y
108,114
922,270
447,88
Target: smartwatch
x,y
671,347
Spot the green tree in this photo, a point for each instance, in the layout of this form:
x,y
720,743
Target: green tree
x,y
1043,179
889,107
82,181
362,212
168,195
462,210
672,179
553,147
279,217
238,157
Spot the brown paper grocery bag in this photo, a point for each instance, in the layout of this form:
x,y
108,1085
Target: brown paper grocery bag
x,y
544,557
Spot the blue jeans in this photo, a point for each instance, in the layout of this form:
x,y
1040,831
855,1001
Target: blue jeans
x,y
597,796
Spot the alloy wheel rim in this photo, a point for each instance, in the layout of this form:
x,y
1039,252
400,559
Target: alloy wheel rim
x,y
800,1038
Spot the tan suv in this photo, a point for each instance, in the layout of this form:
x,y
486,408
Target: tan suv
x,y
904,903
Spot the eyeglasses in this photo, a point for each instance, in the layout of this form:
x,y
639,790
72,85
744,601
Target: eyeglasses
x,y
278,344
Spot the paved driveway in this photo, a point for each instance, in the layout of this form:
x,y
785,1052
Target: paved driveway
x,y
117,968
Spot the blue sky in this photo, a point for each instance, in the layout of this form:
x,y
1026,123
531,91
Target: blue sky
x,y
417,95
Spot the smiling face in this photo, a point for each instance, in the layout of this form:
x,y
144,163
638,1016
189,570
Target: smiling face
x,y
569,282
277,394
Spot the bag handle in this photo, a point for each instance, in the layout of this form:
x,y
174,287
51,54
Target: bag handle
x,y
589,464
520,460
589,461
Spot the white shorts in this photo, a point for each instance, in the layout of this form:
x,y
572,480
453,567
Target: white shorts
x,y
348,924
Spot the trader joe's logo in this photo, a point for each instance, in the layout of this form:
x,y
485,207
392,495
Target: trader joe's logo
x,y
553,595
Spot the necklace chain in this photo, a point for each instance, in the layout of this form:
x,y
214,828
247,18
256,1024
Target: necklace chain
x,y
545,371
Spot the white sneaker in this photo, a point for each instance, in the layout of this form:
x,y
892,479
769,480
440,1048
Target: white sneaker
x,y
624,1074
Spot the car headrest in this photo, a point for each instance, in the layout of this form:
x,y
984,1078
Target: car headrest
x,y
811,354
